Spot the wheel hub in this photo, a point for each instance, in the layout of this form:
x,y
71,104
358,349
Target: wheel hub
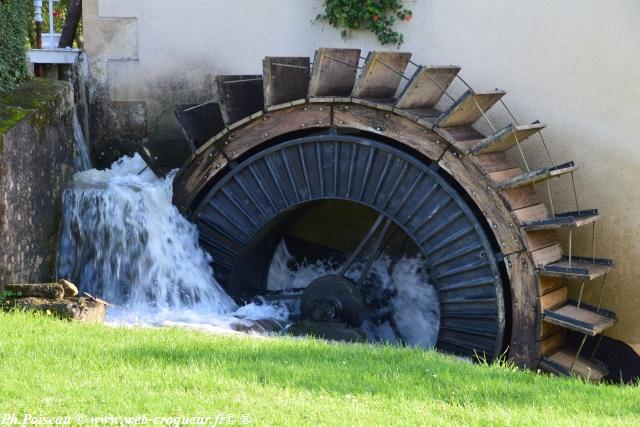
x,y
333,298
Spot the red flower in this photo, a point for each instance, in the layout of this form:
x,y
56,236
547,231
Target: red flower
x,y
56,14
407,18
376,17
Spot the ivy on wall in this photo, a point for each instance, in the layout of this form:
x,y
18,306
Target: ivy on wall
x,y
14,15
377,16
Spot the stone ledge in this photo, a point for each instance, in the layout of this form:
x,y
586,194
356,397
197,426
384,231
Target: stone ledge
x,y
80,309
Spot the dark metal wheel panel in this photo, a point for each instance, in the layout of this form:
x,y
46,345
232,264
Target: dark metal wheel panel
x,y
458,253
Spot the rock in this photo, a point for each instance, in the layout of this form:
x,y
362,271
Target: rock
x,y
81,309
261,326
53,291
70,290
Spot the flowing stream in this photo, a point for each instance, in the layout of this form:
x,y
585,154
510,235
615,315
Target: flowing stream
x,y
123,240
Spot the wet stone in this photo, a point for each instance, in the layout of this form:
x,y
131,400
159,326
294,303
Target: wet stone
x,y
261,326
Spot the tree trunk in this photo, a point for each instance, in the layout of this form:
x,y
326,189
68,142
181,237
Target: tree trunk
x,y
71,23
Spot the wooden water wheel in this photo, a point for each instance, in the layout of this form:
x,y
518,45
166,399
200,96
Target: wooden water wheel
x,y
299,135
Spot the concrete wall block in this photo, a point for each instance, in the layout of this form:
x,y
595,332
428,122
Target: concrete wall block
x,y
36,161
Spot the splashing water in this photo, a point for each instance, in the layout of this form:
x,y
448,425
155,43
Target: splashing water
x,y
415,301
123,240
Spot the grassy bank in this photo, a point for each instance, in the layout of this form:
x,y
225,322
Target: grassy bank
x,y
56,368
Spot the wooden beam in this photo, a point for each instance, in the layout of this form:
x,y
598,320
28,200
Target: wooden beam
x,y
486,199
389,125
274,124
525,310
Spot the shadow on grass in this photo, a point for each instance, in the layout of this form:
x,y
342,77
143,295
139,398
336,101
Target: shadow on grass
x,y
383,371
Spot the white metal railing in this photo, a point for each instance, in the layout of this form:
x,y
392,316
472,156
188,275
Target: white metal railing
x,y
51,39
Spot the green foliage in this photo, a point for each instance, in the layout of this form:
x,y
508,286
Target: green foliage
x,y
4,294
377,16
13,38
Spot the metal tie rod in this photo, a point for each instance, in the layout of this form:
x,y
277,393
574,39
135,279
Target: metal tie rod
x,y
242,80
342,62
290,65
393,70
440,87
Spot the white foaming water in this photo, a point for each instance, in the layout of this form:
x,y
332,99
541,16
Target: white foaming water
x,y
123,240
416,304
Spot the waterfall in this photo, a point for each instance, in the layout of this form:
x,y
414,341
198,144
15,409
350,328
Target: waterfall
x,y
81,149
124,241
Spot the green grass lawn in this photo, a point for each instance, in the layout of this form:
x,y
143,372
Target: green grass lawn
x,y
57,368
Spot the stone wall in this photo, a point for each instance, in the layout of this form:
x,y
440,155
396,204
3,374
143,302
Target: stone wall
x,y
36,161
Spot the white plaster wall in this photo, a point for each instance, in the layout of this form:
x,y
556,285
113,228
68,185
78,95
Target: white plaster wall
x,y
573,64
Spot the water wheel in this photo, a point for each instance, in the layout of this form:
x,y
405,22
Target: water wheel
x,y
359,154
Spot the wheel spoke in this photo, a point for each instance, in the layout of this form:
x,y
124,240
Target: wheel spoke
x,y
374,253
361,245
